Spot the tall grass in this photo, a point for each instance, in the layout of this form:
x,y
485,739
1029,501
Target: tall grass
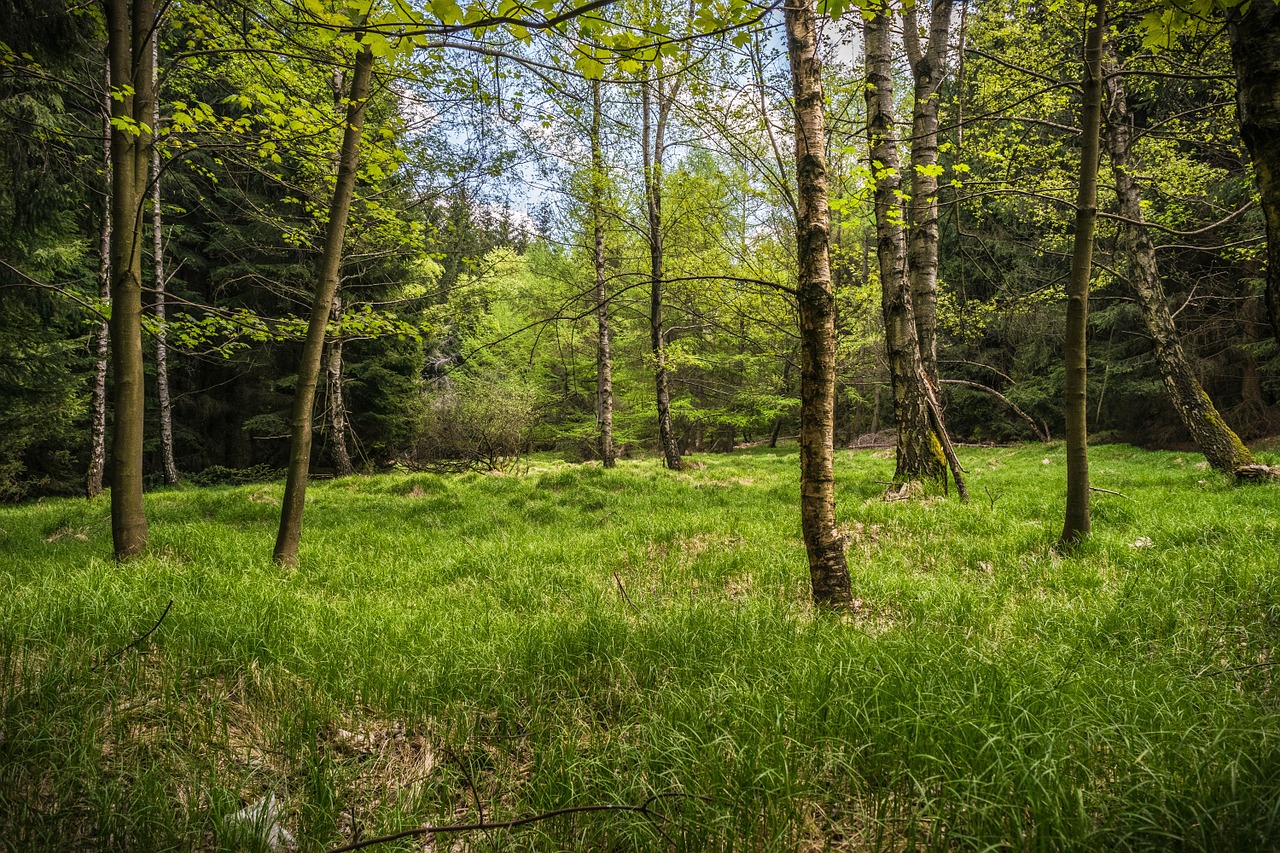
x,y
452,645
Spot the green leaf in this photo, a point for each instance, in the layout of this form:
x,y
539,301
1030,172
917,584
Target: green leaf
x,y
588,66
448,11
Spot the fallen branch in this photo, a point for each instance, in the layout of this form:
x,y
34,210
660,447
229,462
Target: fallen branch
x,y
1040,433
135,641
948,450
1110,492
1243,668
642,809
1256,473
623,590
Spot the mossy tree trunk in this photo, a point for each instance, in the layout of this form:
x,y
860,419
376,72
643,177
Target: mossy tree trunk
x,y
919,452
652,133
1076,525
1255,53
130,27
1220,446
604,361
828,570
290,532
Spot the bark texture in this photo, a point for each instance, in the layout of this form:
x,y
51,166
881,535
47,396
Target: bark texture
x,y
342,466
129,31
604,365
919,451
928,68
1255,53
290,533
828,570
157,252
98,396
1221,447
653,130
1076,525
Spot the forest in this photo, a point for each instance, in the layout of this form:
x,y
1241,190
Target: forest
x,y
733,424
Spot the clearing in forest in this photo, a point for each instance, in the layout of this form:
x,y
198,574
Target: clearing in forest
x,y
461,648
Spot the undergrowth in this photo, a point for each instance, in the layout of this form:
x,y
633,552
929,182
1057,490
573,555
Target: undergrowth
x,y
466,647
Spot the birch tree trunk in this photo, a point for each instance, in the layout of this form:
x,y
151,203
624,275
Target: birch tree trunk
x,y
919,451
928,67
1221,447
290,533
98,397
1076,525
828,570
653,131
1255,53
129,30
337,402
604,367
157,250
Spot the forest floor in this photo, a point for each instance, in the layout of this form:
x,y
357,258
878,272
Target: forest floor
x,y
466,648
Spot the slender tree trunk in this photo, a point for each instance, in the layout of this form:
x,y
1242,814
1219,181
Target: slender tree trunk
x,y
653,131
919,451
786,389
290,533
1076,526
337,400
98,398
337,410
928,67
157,250
1255,52
129,30
604,367
828,571
1220,446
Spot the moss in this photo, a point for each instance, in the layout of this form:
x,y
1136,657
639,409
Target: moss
x,y
938,466
1239,454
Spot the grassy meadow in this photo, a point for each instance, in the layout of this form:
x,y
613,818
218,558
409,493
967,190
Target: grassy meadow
x,y
470,647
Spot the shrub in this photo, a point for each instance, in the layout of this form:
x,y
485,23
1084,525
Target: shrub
x,y
481,423
219,475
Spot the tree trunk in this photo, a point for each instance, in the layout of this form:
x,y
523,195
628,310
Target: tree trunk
x,y
828,571
653,201
604,367
98,398
928,67
157,247
337,402
129,30
919,452
1220,446
290,533
1255,52
1076,526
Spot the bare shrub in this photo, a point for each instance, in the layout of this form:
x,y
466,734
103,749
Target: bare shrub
x,y
481,423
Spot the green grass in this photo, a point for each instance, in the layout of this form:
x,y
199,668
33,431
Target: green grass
x,y
462,639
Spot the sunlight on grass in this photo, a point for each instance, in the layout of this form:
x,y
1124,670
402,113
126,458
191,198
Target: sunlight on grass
x,y
577,635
